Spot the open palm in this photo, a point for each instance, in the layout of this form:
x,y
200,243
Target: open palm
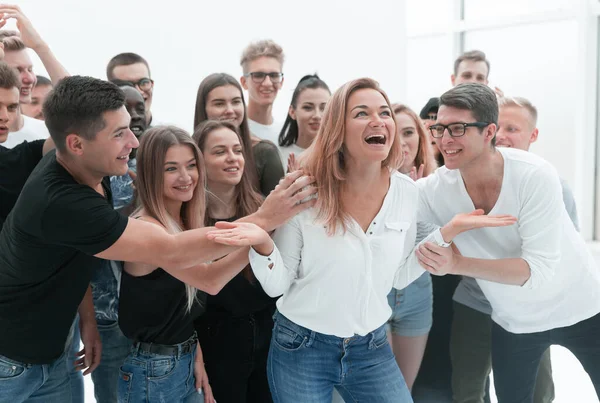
x,y
477,219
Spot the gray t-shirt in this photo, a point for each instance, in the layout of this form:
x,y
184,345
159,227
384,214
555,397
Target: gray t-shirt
x,y
468,291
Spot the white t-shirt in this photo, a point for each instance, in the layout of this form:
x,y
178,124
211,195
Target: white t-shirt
x,y
286,151
266,132
564,286
33,129
338,285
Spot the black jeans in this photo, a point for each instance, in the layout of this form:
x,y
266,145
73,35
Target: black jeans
x,y
516,357
235,354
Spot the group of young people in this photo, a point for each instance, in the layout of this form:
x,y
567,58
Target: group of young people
x,y
358,251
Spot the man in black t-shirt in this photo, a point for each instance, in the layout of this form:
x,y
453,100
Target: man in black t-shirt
x,y
63,222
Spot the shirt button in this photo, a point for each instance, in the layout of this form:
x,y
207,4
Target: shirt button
x,y
374,223
370,233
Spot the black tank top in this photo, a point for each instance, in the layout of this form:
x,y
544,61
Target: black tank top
x,y
153,308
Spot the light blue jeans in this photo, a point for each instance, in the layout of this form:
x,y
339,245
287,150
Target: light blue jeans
x,y
48,383
115,349
305,366
148,378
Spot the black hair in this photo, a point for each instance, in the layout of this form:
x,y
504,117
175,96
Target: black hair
x,y
77,105
289,131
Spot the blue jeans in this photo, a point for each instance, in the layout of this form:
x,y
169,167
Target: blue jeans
x,y
75,376
148,377
48,383
115,349
516,357
304,366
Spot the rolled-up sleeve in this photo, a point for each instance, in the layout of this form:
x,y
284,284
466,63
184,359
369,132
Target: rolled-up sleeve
x,y
277,271
540,224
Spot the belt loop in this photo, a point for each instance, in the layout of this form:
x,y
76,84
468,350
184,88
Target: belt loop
x,y
135,349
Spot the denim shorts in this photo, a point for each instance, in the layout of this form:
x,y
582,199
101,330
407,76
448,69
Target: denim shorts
x,y
151,377
412,308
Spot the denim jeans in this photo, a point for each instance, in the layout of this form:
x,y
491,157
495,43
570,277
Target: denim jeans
x,y
304,366
75,376
148,378
516,357
48,383
235,355
115,349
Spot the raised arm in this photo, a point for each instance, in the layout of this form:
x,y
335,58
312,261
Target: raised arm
x,y
32,39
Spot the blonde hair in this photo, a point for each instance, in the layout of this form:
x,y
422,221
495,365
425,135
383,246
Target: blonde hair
x,y
12,41
151,156
424,153
262,48
521,103
325,158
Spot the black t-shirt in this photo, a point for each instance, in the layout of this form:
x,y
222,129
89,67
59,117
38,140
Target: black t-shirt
x,y
46,259
153,308
16,164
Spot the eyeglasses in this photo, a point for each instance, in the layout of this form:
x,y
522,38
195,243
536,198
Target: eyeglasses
x,y
454,129
144,84
258,77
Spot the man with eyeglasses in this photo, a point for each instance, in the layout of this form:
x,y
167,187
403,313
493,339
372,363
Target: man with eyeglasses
x,y
262,64
132,69
538,276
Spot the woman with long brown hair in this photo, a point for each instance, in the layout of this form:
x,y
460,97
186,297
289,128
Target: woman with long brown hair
x,y
220,97
335,264
235,330
157,306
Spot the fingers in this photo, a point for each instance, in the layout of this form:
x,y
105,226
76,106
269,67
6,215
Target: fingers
x,y
299,185
225,225
425,263
477,212
132,174
421,170
289,179
305,193
303,206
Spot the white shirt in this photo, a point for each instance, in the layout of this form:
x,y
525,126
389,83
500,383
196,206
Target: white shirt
x,y
338,285
564,286
286,151
33,129
266,132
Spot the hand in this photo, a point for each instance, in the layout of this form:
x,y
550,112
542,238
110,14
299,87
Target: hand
x,y
292,163
239,234
287,200
92,347
416,174
476,219
436,259
202,382
133,177
29,35
499,92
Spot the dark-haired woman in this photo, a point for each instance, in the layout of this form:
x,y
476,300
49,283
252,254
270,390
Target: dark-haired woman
x,y
304,118
220,97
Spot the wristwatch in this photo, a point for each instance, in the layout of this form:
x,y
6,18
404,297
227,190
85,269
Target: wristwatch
x,y
439,239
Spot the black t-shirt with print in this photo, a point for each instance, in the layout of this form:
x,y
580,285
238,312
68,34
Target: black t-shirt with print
x,y
16,164
46,259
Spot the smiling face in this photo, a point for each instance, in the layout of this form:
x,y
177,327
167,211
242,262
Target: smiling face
x,y
515,128
225,103
223,157
20,61
262,93
9,106
38,96
108,152
180,173
407,129
370,128
309,111
461,152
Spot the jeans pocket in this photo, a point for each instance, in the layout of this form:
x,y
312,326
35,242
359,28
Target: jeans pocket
x,y
161,368
124,385
10,369
379,339
288,339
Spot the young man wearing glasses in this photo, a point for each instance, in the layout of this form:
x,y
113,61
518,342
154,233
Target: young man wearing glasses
x,y
538,276
133,69
262,63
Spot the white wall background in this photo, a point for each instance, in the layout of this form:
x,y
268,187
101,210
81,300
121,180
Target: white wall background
x,y
185,41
